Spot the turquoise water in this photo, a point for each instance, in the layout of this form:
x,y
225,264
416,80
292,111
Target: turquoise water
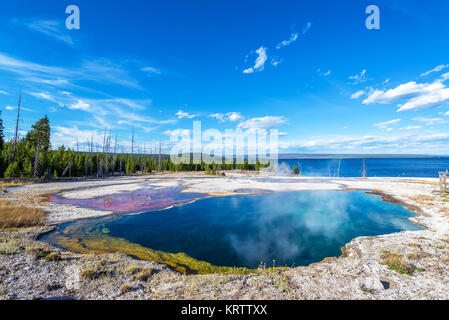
x,y
291,228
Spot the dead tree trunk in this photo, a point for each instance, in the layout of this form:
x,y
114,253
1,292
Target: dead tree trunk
x,y
37,165
68,168
13,158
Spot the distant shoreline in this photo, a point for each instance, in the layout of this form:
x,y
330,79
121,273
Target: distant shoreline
x,y
358,156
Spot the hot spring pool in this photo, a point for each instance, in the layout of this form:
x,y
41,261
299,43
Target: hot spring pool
x,y
287,229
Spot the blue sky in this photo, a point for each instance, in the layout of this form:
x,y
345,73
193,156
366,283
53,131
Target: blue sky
x,y
310,69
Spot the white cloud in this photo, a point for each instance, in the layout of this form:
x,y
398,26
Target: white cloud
x,y
181,115
285,43
430,121
282,134
276,61
4,93
263,123
67,136
43,95
218,116
406,143
359,78
307,27
260,61
385,125
52,29
415,95
98,70
50,82
105,111
21,108
411,128
178,132
132,124
436,69
358,94
445,77
8,63
80,105
324,74
234,116
447,113
151,70
230,116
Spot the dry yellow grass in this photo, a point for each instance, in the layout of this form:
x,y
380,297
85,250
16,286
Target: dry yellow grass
x,y
395,262
423,182
8,184
14,216
422,199
444,210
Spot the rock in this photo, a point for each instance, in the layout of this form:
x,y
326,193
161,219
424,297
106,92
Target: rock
x,y
73,277
386,284
371,284
53,287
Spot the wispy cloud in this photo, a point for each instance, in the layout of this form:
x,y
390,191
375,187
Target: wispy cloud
x,y
4,93
260,61
386,125
307,27
105,112
133,124
11,108
67,136
431,121
98,70
43,95
52,29
411,128
324,73
436,69
14,65
359,78
275,61
293,37
177,132
151,70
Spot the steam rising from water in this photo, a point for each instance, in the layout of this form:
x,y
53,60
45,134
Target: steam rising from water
x,y
282,221
283,169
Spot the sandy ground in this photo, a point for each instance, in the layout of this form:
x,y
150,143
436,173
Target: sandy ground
x,y
363,272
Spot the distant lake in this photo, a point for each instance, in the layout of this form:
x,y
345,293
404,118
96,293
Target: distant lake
x,y
375,167
289,228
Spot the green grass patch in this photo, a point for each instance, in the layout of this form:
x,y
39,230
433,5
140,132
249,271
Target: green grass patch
x,y
93,240
395,262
